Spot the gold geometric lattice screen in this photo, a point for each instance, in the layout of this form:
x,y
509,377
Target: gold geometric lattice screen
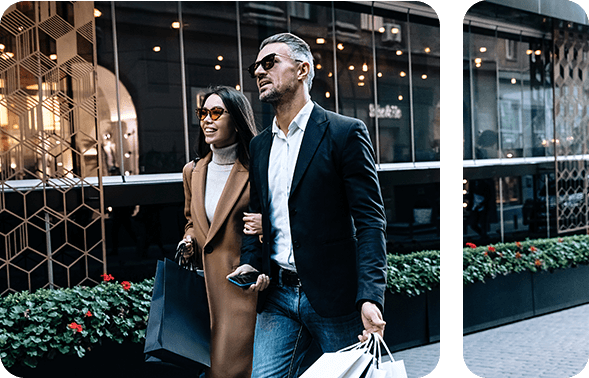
x,y
571,103
51,217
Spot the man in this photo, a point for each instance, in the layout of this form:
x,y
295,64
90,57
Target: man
x,y
314,181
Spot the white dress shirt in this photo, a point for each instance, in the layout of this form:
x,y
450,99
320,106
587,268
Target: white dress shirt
x,y
283,159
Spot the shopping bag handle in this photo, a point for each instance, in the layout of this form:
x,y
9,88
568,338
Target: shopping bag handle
x,y
359,345
378,342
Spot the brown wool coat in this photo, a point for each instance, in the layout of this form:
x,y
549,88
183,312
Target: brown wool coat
x,y
233,310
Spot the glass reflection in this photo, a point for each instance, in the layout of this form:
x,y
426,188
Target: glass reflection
x,y
511,82
425,61
394,109
353,53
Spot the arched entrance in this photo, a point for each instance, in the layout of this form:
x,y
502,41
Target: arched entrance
x,y
108,128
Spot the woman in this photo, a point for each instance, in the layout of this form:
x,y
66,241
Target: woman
x,y
216,190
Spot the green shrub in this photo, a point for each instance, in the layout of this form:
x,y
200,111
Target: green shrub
x,y
485,262
71,321
413,273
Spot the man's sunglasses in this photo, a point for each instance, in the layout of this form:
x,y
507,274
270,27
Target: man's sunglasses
x,y
215,113
267,63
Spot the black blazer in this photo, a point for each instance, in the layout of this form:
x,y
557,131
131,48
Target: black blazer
x,y
336,211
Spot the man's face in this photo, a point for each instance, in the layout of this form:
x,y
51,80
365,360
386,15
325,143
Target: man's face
x,y
279,80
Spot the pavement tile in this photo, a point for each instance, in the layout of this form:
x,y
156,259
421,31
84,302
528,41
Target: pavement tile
x,y
554,345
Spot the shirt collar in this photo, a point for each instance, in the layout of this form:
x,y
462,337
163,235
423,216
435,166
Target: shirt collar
x,y
300,120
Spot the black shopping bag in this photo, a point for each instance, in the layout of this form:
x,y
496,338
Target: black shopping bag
x,y
178,330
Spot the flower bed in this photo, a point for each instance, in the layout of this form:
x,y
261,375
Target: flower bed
x,y
481,263
71,321
523,279
39,325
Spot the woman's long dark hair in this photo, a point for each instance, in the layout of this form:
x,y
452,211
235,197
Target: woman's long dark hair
x,y
242,116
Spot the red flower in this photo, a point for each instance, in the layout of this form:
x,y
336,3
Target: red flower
x,y
538,262
88,314
518,255
75,326
518,244
126,285
107,277
533,249
471,245
485,254
491,249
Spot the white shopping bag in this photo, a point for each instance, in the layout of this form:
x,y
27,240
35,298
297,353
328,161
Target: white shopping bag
x,y
390,367
350,362
375,372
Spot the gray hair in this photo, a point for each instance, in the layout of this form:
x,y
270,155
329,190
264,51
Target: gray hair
x,y
299,50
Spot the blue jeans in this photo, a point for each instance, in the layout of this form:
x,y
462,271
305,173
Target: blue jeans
x,y
288,325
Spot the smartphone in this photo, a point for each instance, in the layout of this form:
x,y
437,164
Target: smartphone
x,y
245,280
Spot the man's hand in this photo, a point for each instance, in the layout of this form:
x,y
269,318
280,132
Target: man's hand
x,y
372,320
261,284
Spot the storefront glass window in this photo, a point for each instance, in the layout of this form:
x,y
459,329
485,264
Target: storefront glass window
x,y
537,116
313,23
481,210
511,60
512,98
211,54
149,68
354,67
483,58
466,97
425,61
222,39
394,108
259,20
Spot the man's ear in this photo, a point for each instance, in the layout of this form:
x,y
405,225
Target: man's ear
x,y
304,69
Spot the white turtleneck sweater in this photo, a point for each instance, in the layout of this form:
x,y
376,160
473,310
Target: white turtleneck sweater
x,y
217,175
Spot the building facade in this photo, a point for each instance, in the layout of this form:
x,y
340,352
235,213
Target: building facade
x,y
97,118
525,120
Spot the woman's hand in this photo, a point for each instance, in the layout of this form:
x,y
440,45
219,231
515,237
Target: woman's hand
x,y
188,250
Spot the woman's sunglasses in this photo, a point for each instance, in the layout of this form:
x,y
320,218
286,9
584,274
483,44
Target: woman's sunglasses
x,y
267,63
215,113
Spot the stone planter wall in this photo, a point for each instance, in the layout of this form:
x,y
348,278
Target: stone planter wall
x,y
518,296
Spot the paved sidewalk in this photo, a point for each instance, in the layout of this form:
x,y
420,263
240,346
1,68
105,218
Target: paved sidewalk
x,y
550,346
419,361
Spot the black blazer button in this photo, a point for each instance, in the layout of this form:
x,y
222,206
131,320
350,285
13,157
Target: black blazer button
x,y
296,244
293,211
208,249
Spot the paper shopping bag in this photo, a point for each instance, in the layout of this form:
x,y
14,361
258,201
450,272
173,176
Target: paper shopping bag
x,y
344,363
387,364
375,372
178,328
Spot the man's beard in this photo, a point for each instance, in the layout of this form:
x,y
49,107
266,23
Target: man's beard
x,y
271,96
275,96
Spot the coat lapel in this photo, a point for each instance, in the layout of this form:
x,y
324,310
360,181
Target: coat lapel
x,y
236,183
264,159
313,135
199,179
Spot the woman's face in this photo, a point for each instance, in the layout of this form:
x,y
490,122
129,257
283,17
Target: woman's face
x,y
220,132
